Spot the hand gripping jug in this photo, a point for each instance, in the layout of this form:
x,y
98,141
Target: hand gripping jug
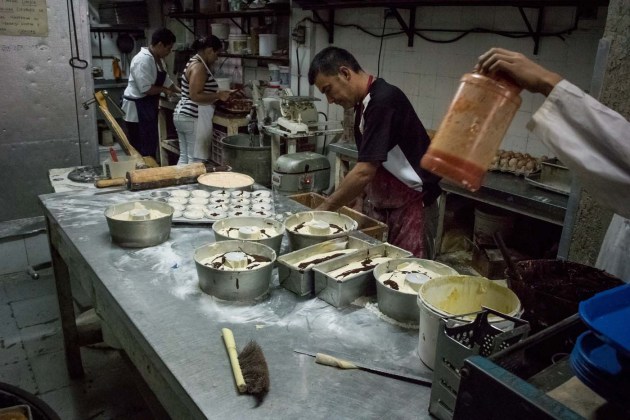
x,y
472,130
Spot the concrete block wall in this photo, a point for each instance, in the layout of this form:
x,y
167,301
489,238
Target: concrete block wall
x,y
429,72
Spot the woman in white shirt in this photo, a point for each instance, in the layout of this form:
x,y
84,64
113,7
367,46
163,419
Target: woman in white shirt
x,y
195,110
148,79
589,138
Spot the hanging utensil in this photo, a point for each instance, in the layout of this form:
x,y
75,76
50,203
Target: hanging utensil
x,y
116,69
125,44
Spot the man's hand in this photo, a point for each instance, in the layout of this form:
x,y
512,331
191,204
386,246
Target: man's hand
x,y
521,69
351,187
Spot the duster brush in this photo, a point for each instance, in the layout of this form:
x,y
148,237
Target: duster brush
x,y
249,367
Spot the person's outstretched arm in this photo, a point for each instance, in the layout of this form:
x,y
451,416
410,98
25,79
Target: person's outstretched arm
x,y
525,72
592,140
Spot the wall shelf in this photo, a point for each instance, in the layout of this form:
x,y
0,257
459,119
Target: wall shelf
x,y
282,9
409,27
345,4
275,58
102,28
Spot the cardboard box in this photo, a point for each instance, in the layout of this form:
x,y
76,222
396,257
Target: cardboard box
x,y
367,225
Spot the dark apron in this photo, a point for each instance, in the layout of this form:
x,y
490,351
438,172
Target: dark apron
x,y
390,201
144,135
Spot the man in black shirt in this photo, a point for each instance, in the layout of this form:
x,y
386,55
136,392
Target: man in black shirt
x,y
390,141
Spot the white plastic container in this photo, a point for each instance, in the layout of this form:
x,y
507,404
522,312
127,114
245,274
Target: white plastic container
x,y
274,72
119,169
267,43
285,75
454,295
237,43
223,82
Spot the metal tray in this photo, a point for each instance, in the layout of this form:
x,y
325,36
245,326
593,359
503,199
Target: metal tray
x,y
341,293
161,194
560,188
301,282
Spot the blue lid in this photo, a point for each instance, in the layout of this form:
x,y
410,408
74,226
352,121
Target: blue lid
x,y
601,367
608,314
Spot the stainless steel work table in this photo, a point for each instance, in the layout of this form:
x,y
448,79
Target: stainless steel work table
x,y
150,301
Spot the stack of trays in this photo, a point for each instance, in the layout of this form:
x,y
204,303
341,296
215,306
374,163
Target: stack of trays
x,y
601,356
201,206
342,280
295,269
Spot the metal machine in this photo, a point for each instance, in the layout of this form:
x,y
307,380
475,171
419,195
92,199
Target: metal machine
x,y
301,172
297,113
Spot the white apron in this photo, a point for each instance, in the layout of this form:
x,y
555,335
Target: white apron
x,y
203,135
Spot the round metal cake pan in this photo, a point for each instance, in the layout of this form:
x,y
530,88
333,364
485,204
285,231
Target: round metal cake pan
x,y
242,285
139,233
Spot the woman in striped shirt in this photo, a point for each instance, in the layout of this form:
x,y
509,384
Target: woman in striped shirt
x,y
193,113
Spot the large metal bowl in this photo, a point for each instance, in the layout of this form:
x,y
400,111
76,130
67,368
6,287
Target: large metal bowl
x,y
397,304
299,240
241,285
236,223
139,233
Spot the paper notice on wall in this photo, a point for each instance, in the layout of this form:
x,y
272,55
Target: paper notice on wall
x,y
23,17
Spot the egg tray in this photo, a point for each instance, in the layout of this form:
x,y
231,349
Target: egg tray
x,y
497,167
517,172
257,206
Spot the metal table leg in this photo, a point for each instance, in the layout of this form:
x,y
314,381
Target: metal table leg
x,y
66,310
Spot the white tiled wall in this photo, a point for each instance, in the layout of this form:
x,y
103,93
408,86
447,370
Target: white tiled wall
x,y
429,72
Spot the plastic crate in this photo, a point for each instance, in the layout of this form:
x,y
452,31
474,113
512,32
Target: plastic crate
x,y
456,342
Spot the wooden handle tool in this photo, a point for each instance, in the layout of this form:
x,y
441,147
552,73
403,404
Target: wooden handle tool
x,y
230,345
120,134
113,182
328,360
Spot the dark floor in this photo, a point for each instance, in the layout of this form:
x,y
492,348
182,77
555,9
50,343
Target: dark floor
x,y
32,357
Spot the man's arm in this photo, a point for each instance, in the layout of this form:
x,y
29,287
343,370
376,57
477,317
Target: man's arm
x,y
524,71
351,186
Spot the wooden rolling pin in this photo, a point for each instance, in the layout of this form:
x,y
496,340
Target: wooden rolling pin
x,y
166,176
113,182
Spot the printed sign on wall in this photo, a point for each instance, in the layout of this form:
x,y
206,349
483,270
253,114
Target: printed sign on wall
x,y
23,17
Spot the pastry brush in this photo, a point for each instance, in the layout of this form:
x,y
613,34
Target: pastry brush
x,y
249,366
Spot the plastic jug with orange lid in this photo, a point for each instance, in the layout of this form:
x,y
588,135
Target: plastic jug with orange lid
x,y
472,130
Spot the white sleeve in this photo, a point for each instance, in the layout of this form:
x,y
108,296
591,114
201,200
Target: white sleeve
x,y
144,73
592,140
